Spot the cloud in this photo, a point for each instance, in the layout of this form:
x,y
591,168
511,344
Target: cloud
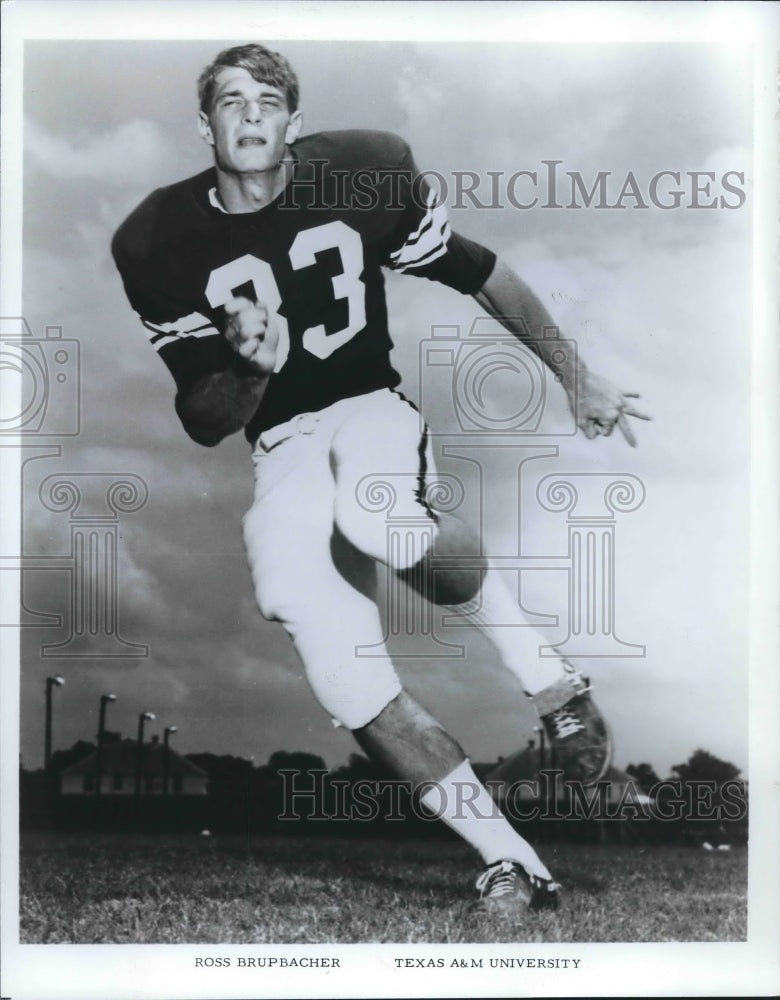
x,y
622,111
120,155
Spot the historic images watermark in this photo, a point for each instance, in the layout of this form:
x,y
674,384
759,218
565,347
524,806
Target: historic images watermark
x,y
313,796
546,186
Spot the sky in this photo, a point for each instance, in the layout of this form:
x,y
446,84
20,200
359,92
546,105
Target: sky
x,y
658,301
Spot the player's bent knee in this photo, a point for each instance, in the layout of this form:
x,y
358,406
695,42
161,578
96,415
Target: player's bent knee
x,y
353,704
443,585
368,531
457,586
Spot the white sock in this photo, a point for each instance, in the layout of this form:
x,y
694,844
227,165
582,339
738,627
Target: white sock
x,y
462,802
496,612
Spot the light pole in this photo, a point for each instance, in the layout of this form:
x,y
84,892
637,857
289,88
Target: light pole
x,y
542,762
105,699
167,732
51,682
142,719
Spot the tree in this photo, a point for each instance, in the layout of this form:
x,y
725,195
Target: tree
x,y
644,776
704,766
360,768
298,760
235,798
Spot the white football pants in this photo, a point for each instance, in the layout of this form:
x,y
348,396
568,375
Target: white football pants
x,y
324,485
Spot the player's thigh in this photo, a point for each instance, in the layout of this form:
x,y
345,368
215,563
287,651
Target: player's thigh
x,y
294,559
321,589
382,464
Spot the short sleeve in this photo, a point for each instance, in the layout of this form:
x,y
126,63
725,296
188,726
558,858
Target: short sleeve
x,y
424,245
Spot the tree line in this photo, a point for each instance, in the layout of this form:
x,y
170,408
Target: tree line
x,y
296,793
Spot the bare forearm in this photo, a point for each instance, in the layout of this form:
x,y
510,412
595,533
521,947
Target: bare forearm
x,y
598,407
219,405
510,301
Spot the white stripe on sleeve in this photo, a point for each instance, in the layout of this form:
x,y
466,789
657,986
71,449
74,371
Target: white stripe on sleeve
x,y
194,325
427,242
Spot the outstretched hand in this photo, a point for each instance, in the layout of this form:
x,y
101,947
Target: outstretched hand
x,y
600,407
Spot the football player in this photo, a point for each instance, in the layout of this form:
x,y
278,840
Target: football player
x,y
260,284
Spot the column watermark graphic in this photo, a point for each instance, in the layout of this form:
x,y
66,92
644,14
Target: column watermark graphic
x,y
94,502
591,501
42,407
408,538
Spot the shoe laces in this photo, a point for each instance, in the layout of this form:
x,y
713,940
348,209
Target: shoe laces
x,y
580,683
565,723
499,879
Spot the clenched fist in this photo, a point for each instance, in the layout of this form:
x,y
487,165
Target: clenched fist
x,y
252,333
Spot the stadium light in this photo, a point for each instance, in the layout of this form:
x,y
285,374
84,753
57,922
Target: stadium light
x,y
105,700
51,683
142,720
167,733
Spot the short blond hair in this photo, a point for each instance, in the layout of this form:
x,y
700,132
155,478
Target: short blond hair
x,y
261,64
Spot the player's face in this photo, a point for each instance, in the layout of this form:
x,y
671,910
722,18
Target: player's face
x,y
249,124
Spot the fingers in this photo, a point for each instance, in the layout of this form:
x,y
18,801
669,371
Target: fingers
x,y
247,324
625,429
252,332
242,313
236,305
246,348
605,408
601,429
631,412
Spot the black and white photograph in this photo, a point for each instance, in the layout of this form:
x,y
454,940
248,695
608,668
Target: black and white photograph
x,y
389,473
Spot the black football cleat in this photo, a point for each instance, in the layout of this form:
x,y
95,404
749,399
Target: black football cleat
x,y
580,741
505,886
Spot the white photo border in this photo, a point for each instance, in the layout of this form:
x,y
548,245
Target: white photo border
x,y
36,972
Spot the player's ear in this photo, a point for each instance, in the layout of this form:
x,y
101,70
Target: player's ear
x,y
204,126
294,127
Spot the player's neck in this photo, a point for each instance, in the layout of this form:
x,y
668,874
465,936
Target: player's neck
x,y
241,193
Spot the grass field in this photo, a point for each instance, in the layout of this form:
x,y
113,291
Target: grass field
x,y
117,888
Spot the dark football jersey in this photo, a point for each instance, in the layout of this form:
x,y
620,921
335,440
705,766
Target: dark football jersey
x,y
313,256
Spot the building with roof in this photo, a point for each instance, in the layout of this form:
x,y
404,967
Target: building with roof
x,y
121,765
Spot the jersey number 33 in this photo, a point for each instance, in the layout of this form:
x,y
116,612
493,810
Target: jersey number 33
x,y
224,281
